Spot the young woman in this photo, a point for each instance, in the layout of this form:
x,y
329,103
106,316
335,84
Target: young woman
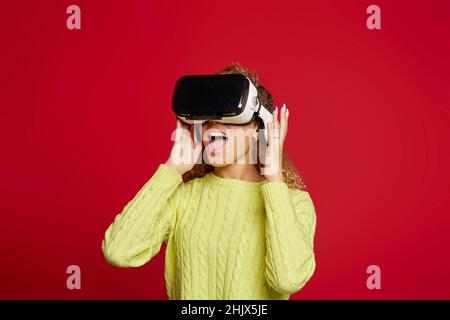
x,y
231,233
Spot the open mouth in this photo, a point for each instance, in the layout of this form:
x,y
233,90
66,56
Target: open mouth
x,y
217,140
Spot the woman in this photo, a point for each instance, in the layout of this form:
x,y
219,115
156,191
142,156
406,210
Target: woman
x,y
231,232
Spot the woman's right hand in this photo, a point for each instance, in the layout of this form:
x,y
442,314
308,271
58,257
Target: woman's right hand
x,y
185,151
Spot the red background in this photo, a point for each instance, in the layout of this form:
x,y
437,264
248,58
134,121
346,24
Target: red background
x,y
86,119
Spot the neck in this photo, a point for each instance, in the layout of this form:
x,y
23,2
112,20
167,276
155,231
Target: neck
x,y
246,172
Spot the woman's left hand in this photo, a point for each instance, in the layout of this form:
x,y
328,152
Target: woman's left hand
x,y
277,131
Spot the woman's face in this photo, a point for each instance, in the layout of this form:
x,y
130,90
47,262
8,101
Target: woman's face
x,y
228,143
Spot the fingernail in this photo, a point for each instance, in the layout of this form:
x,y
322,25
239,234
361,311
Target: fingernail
x,y
284,106
287,113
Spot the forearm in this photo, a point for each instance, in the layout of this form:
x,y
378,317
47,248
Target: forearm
x,y
289,240
138,231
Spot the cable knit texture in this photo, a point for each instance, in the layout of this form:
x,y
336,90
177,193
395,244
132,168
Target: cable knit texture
x,y
226,238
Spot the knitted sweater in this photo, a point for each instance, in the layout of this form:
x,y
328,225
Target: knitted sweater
x,y
226,238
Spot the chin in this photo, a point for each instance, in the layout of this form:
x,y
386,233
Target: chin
x,y
216,161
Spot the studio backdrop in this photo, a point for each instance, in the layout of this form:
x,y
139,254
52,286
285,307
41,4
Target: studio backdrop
x,y
85,96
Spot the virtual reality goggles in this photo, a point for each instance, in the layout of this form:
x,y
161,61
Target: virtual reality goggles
x,y
225,98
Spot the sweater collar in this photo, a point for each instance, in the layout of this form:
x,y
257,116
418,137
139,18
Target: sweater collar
x,y
228,182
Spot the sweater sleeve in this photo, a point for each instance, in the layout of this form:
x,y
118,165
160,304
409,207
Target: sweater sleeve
x,y
290,228
136,234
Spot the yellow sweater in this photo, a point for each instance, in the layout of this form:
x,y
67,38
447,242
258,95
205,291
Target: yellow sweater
x,y
226,238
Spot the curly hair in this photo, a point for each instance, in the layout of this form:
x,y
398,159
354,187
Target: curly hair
x,y
290,174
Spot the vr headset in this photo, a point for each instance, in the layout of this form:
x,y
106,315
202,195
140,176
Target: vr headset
x,y
225,98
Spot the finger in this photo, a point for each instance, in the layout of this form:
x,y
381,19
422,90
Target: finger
x,y
178,123
283,122
287,118
183,134
276,123
269,145
178,130
269,135
272,141
287,123
274,138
